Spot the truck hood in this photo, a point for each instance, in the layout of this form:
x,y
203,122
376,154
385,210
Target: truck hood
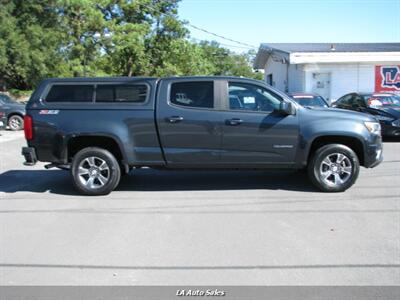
x,y
337,113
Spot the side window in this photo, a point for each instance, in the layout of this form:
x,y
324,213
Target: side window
x,y
70,93
121,93
244,96
345,100
193,94
358,101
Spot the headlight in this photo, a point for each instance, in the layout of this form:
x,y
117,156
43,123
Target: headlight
x,y
373,127
396,123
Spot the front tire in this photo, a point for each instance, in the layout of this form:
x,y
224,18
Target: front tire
x,y
95,171
334,168
16,123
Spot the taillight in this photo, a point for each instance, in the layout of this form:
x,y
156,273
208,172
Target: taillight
x,y
28,127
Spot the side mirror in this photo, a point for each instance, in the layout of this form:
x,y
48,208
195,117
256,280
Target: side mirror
x,y
286,108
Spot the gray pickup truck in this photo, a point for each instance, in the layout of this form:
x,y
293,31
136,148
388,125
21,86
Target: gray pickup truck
x,y
101,128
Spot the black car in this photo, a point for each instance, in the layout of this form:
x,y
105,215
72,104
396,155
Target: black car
x,y
383,106
309,100
14,112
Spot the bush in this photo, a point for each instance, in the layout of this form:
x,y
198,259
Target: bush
x,y
20,95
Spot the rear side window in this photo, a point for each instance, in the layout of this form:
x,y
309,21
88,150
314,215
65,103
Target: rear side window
x,y
193,94
121,93
70,93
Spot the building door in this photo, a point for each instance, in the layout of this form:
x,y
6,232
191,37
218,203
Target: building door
x,y
322,85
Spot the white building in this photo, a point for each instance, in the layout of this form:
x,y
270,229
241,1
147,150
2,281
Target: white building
x,y
331,70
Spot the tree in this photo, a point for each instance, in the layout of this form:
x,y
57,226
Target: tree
x,y
83,26
27,38
101,38
228,63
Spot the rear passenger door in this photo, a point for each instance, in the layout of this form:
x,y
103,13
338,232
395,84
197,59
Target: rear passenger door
x,y
189,122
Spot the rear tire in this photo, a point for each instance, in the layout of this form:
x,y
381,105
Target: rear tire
x,y
334,168
16,123
95,171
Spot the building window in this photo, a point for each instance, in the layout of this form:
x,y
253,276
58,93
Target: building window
x,y
270,80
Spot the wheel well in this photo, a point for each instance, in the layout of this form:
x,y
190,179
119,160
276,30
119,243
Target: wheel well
x,y
14,114
80,142
351,142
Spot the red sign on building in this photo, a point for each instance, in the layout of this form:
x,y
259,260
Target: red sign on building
x,y
387,78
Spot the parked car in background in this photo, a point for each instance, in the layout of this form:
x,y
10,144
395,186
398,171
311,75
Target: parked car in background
x,y
309,100
383,106
3,120
14,112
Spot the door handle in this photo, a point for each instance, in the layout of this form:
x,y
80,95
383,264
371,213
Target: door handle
x,y
234,122
175,119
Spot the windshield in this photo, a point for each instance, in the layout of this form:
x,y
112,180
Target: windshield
x,y
312,101
379,101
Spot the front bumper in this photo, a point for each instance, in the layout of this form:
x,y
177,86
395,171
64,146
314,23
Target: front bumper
x,y
388,130
30,156
373,153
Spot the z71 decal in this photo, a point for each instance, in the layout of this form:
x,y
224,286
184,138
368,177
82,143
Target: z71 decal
x,y
49,112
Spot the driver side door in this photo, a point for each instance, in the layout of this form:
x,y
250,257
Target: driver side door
x,y
254,135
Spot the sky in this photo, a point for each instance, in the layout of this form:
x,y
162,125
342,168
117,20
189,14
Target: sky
x,y
284,21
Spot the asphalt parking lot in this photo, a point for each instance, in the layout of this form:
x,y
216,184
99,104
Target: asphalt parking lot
x,y
197,228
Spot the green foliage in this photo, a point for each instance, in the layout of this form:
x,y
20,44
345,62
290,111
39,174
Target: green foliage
x,y
66,38
19,93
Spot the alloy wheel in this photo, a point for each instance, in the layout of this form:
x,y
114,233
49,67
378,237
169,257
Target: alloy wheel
x,y
94,172
15,123
336,169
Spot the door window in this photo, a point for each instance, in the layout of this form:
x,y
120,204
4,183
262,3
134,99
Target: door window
x,y
193,94
358,101
345,100
250,97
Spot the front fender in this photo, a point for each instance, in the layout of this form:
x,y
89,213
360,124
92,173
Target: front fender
x,y
315,129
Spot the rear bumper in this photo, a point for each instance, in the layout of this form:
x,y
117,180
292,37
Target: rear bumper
x,y
373,154
29,154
